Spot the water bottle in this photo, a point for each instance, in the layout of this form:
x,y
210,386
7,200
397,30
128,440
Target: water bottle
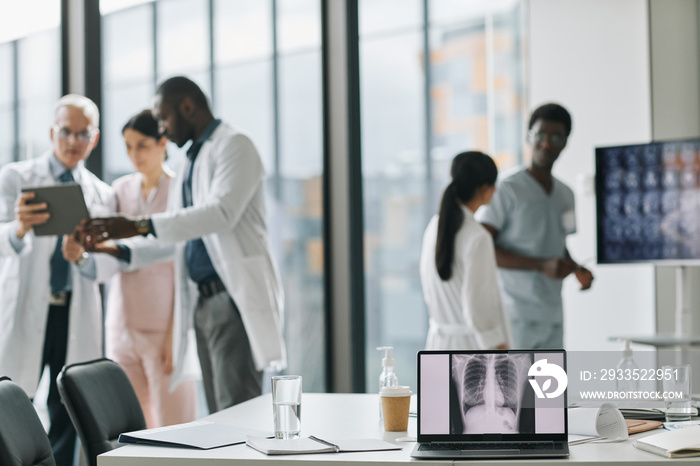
x,y
626,373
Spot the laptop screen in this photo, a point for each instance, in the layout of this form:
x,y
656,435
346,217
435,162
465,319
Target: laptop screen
x,y
482,395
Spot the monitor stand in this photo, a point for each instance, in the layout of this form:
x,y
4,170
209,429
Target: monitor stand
x,y
682,336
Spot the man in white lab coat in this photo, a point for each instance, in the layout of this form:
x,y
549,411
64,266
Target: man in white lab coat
x,y
50,314
227,284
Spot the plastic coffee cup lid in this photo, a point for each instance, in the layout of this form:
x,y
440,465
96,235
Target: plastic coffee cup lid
x,y
401,390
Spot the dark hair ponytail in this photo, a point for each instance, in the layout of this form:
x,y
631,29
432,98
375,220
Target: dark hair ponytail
x,y
144,123
470,171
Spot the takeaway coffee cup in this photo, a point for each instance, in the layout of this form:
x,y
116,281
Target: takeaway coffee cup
x,y
395,403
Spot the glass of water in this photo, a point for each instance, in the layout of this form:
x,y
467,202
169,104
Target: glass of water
x,y
286,405
677,390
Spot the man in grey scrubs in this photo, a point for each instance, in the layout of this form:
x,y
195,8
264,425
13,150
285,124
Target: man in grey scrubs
x,y
530,216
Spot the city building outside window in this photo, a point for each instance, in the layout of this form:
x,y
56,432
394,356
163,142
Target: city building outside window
x,y
437,77
260,63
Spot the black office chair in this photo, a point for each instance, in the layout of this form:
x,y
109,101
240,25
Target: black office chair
x,y
101,404
23,440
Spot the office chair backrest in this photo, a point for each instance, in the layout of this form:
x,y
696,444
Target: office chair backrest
x,y
23,440
101,403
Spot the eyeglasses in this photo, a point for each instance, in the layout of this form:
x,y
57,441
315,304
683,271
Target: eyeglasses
x,y
82,136
555,140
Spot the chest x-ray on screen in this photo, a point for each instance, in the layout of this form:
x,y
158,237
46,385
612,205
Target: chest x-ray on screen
x,y
488,394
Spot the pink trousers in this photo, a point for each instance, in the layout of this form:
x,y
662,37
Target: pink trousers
x,y
139,354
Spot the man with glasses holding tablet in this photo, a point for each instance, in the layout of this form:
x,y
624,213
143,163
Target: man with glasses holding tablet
x,y
530,216
50,306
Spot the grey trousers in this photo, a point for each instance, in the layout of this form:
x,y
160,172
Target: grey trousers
x,y
228,370
536,335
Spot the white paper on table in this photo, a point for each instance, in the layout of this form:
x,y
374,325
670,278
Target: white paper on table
x,y
605,422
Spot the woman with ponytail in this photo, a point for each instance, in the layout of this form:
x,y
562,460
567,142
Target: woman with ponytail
x,y
458,263
139,322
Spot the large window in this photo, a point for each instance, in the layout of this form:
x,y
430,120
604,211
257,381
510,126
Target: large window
x,y
419,109
437,77
8,97
30,77
299,189
128,79
260,63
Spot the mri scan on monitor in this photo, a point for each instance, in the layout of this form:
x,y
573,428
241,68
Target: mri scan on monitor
x,y
648,202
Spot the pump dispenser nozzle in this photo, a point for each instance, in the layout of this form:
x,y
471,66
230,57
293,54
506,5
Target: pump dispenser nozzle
x,y
627,350
387,378
388,361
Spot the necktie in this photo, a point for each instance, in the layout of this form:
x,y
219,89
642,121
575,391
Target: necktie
x,y
59,265
192,153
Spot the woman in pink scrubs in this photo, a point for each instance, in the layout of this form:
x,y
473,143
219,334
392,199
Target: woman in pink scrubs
x,y
140,303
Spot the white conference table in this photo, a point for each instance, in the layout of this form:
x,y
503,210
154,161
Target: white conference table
x,y
337,416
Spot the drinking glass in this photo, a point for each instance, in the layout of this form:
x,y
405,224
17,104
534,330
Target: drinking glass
x,y
676,387
286,405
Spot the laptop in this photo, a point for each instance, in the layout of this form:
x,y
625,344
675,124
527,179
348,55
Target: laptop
x,y
492,404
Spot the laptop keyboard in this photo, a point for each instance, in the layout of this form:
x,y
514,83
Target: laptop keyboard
x,y
486,446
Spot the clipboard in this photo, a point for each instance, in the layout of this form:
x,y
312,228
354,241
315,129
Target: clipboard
x,y
202,435
635,426
65,203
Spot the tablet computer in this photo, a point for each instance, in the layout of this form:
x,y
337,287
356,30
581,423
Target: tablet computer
x,y
65,203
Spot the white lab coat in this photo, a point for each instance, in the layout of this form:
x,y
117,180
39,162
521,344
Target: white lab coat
x,y
466,311
25,279
229,215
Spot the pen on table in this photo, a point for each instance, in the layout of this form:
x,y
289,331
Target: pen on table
x,y
337,448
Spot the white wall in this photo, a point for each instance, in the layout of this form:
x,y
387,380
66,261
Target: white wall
x,y
592,56
675,69
675,77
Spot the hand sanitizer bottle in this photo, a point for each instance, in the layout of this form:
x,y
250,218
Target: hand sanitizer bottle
x,y
387,378
626,377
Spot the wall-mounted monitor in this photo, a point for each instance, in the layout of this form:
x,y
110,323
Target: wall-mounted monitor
x,y
648,202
